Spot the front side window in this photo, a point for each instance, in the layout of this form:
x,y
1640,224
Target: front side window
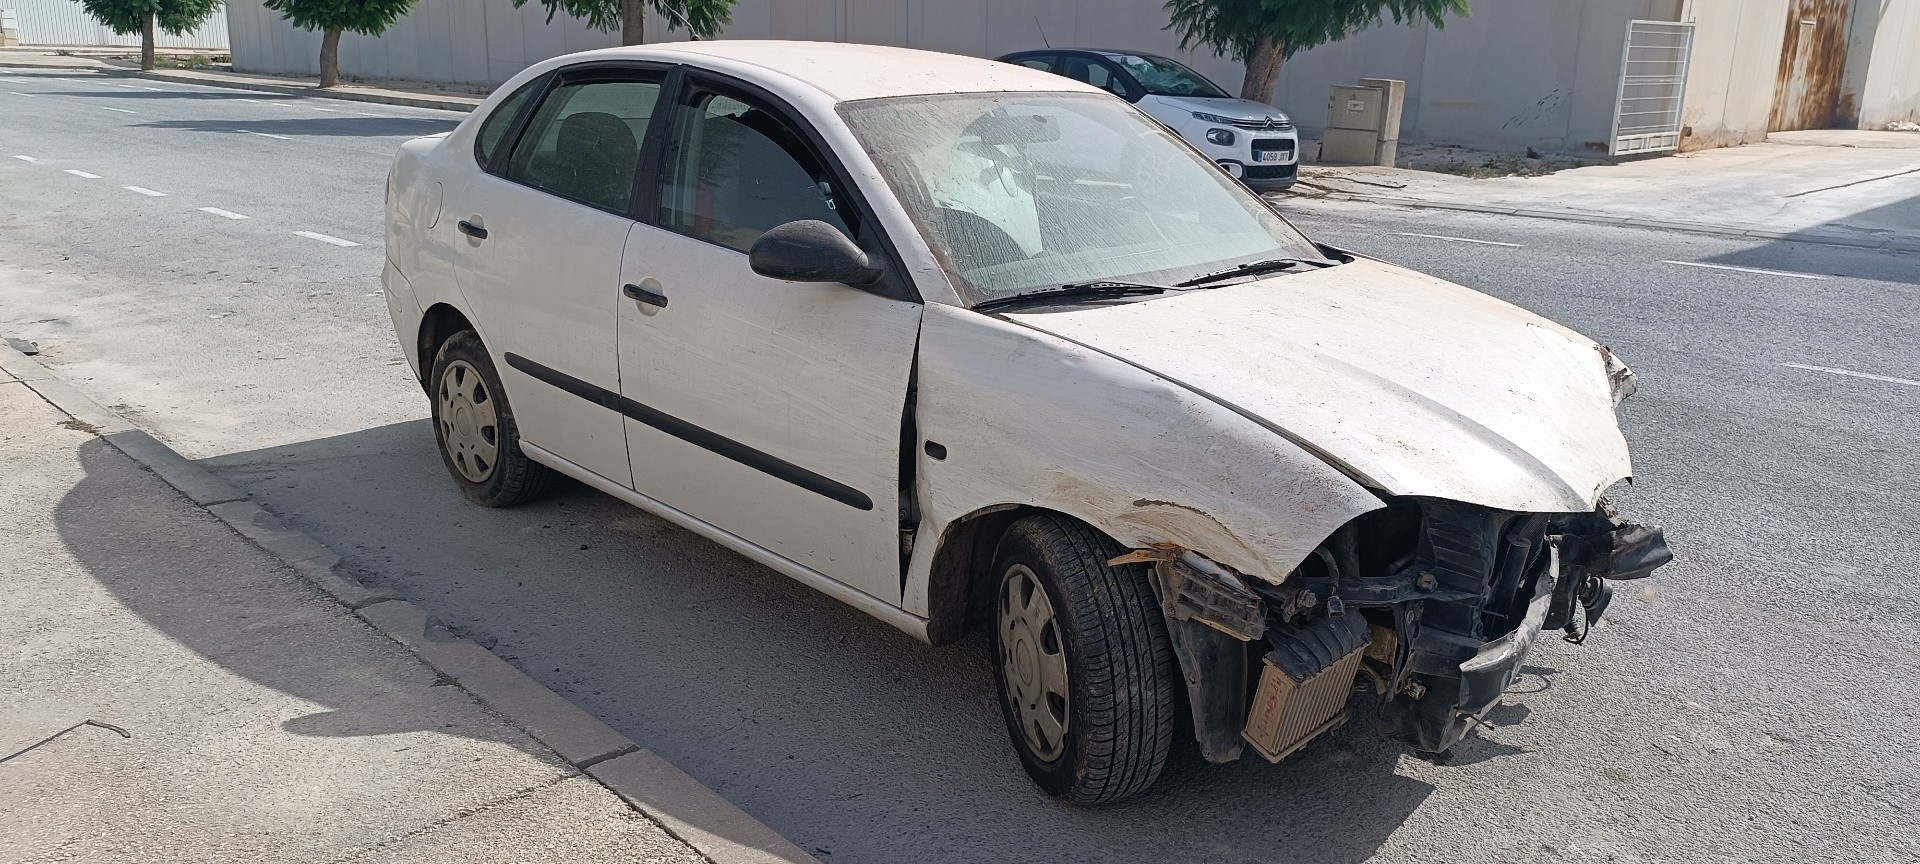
x,y
1019,191
1163,77
1093,72
583,143
734,170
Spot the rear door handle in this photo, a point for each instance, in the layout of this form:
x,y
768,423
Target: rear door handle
x,y
651,298
472,230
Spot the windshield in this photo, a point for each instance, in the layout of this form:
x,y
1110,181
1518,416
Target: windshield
x,y
1163,77
1019,191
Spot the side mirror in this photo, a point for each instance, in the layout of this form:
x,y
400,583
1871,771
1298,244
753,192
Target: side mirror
x,y
808,250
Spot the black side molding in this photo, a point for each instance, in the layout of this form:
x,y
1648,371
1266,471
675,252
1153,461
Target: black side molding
x,y
696,435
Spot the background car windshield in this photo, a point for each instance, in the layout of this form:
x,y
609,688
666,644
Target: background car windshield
x,y
1163,77
1019,191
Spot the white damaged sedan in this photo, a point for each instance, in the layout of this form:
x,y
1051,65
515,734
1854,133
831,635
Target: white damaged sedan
x,y
971,346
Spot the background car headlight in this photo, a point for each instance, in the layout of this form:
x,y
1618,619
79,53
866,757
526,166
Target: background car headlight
x,y
1222,137
1204,117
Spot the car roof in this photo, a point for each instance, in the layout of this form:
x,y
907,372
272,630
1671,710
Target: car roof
x,y
1102,52
845,72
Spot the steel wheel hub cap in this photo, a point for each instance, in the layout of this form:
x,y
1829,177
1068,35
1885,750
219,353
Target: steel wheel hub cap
x,y
469,428
1032,663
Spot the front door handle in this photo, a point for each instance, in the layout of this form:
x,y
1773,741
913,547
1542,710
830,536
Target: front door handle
x,y
472,230
651,298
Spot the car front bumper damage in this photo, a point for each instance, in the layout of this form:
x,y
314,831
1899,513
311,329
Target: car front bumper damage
x,y
1434,602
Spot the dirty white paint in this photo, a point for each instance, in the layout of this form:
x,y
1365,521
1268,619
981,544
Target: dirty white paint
x,y
1418,385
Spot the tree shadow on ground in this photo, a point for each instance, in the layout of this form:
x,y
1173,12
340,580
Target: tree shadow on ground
x,y
828,725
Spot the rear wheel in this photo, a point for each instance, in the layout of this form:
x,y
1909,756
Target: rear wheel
x,y
474,425
1081,655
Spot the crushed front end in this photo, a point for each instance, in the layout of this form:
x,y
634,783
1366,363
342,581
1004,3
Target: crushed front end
x,y
1435,602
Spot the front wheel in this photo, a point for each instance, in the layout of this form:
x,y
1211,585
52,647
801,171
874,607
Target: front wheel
x,y
474,425
1086,672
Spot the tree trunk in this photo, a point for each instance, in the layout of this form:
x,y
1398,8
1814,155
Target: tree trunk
x,y
633,22
1263,70
330,58
146,42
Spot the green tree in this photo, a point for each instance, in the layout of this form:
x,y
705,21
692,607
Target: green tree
x,y
702,18
145,17
1264,33
333,17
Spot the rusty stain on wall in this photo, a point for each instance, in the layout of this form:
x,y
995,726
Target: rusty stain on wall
x,y
1813,59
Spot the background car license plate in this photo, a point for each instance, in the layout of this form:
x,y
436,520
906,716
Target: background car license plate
x,y
1270,156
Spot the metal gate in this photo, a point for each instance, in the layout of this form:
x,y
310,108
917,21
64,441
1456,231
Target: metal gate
x,y
1653,81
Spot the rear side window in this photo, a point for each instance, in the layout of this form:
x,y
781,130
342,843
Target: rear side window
x,y
735,170
583,142
1043,63
497,124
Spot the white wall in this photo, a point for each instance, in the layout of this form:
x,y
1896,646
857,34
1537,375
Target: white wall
x,y
1736,61
1890,86
1517,74
63,22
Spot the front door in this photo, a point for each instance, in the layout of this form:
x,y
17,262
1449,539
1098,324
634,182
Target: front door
x,y
772,410
543,233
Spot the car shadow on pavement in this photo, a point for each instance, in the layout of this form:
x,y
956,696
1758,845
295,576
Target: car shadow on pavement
x,y
191,578
851,738
338,127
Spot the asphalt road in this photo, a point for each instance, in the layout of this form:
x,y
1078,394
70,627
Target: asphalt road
x,y
1753,703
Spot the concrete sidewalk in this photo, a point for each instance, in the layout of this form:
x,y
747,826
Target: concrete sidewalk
x,y
1838,187
237,713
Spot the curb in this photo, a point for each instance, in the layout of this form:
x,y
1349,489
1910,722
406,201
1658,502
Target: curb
x,y
442,103
1893,243
689,811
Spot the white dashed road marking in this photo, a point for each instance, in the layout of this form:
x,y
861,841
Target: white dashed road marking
x,y
145,191
270,135
1745,270
121,110
328,110
79,173
26,158
1852,374
1462,240
28,95
226,213
310,235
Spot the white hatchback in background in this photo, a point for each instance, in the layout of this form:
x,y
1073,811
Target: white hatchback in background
x,y
1252,140
974,347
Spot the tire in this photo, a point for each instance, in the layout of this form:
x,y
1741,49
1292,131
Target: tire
x,y
474,426
1104,735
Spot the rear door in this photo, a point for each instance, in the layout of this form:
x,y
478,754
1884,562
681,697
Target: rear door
x,y
772,410
544,227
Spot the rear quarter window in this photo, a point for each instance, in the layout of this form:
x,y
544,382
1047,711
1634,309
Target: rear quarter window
x,y
497,124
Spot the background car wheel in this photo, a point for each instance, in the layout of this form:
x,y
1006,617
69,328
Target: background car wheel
x,y
474,425
1081,655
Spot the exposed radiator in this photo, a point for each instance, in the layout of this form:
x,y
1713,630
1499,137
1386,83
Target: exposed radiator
x,y
1299,698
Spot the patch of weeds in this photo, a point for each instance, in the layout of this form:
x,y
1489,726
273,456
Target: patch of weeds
x,y
79,425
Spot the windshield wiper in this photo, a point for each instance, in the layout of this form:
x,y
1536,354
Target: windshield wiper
x,y
1093,290
1252,268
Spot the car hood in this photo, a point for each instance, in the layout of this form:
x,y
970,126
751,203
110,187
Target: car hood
x,y
1232,109
1410,384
